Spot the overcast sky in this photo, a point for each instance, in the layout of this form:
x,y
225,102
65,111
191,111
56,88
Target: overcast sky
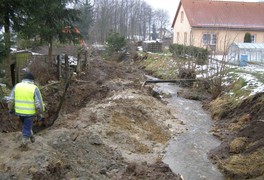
x,y
169,5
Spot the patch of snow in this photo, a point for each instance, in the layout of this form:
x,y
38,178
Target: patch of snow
x,y
2,85
152,41
253,68
121,96
71,60
252,83
140,48
36,54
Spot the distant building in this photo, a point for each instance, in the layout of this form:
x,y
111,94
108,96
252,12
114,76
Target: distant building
x,y
164,33
217,24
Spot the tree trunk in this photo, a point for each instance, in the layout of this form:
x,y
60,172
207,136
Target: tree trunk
x,y
50,51
67,68
7,41
58,67
85,59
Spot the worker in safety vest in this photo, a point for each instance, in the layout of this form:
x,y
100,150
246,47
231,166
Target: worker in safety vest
x,y
25,101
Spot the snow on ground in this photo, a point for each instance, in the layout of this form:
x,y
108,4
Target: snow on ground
x,y
252,74
248,73
252,82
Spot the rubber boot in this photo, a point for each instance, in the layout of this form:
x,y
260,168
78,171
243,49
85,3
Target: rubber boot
x,y
25,141
32,137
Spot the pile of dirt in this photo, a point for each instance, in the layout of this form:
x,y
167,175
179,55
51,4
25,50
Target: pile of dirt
x,y
108,127
159,171
240,126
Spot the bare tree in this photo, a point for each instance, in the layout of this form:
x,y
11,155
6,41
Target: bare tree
x,y
129,18
161,18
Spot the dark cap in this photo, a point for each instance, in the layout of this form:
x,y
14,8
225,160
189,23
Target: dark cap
x,y
29,76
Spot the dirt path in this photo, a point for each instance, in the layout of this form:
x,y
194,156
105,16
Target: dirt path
x,y
109,128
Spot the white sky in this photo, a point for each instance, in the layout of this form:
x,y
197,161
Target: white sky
x,y
168,5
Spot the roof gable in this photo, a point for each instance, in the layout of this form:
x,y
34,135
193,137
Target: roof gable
x,y
223,14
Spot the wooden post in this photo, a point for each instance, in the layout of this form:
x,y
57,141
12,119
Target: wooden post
x,y
78,68
66,67
85,59
58,67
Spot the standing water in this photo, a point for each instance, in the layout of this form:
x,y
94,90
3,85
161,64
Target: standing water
x,y
187,153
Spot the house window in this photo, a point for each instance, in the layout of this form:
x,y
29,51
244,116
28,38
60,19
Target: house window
x,y
178,37
252,38
182,16
185,38
209,39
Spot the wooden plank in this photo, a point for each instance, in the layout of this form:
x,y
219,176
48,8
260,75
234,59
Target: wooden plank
x,y
169,81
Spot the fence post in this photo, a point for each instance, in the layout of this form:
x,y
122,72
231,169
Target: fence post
x,y
78,68
58,67
66,67
85,59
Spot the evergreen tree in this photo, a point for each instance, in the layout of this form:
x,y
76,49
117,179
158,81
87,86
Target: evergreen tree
x,y
86,19
11,17
247,38
154,32
115,42
45,19
2,47
51,20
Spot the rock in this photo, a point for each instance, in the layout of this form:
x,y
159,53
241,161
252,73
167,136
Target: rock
x,y
103,171
82,125
32,170
95,140
55,142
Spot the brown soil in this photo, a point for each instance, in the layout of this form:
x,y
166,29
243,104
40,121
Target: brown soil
x,y
240,127
109,127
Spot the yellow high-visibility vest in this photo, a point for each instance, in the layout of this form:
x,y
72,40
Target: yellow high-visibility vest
x,y
24,98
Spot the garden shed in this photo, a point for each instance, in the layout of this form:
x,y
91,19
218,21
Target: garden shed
x,y
19,59
242,53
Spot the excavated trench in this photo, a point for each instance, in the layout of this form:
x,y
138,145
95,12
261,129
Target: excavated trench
x,y
186,154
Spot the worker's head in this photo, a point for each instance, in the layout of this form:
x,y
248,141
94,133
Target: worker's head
x,y
29,76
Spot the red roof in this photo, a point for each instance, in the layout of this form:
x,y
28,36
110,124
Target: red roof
x,y
223,14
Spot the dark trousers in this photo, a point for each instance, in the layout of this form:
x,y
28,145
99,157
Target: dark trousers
x,y
27,122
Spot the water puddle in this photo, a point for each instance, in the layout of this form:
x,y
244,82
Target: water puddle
x,y
186,154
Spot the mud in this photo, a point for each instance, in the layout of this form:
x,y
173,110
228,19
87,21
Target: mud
x,y
240,127
109,127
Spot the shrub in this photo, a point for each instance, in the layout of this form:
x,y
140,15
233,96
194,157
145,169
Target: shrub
x,y
42,70
200,54
2,49
247,38
115,42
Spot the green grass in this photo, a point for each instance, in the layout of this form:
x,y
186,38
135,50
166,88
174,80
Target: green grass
x,y
258,75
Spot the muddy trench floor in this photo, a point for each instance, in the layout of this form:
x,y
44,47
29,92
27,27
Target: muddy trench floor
x,y
109,127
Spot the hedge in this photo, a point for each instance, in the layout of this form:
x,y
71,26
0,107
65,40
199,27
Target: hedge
x,y
195,52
